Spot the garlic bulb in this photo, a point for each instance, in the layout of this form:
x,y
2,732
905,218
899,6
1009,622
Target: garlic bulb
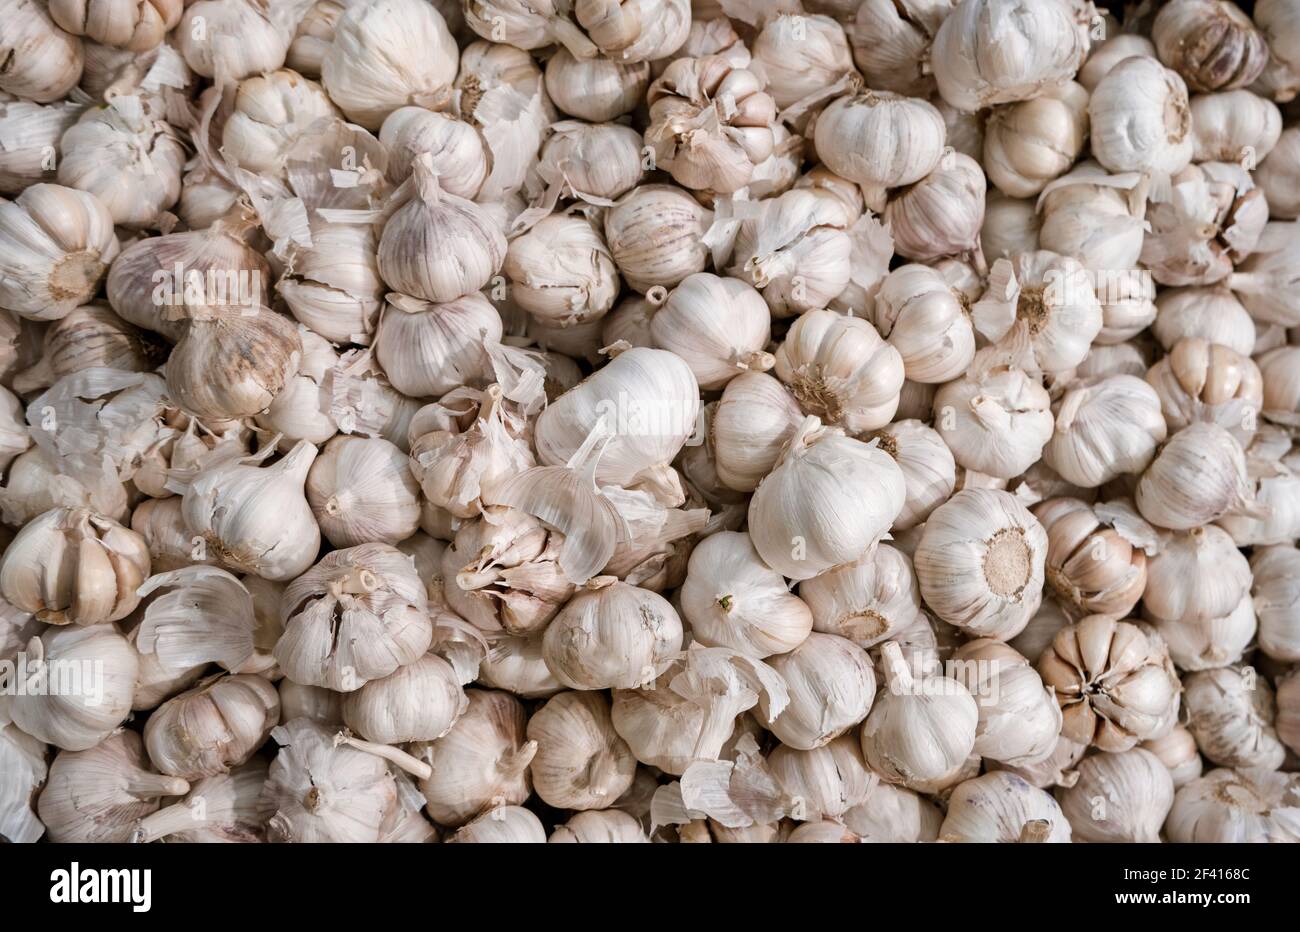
x,y
1141,119
999,51
357,615
1010,226
302,409
561,271
1212,44
880,139
314,34
437,246
1096,557
921,728
23,758
361,491
1104,57
1019,720
995,419
798,519
271,112
1002,807
596,89
940,215
926,320
134,25
256,520
73,566
831,687
611,634
1237,806
655,234
481,762
1276,592
867,602
823,782
1279,174
929,471
223,808
235,40
1095,218
75,686
1114,684
34,485
1200,642
31,134
1238,126
507,825
1230,713
217,725
891,42
455,147
732,599
516,664
101,793
1121,797
754,419
597,827
429,348
334,286
581,762
44,62
420,701
1196,574
602,160
719,326
709,123
87,337
233,365
1178,752
893,814
1203,381
1057,769
56,243
801,56
1197,476
1104,428
980,563
1040,306
1029,143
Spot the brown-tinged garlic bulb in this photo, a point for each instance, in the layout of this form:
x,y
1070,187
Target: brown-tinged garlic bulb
x,y
56,243
1199,475
1122,797
655,234
222,808
824,782
73,566
1212,44
891,42
995,419
1002,807
101,793
840,370
420,701
999,51
1230,713
507,825
1019,720
1288,711
1027,144
1114,684
1276,592
940,215
481,763
456,149
357,615
256,519
755,418
709,123
87,337
612,634
600,827
1104,428
1203,381
78,686
233,364
1212,313
831,687
1178,752
208,730
925,319
880,139
581,762
867,602
719,326
25,768
361,491
561,271
929,472
44,63
1237,806
596,89
1141,118
732,599
1239,126
1096,557
1278,175
921,728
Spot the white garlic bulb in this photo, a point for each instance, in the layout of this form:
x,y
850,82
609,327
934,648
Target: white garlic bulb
x,y
271,112
217,725
655,233
561,271
880,139
980,563
1122,797
45,62
641,30
1236,806
1212,313
891,42
1002,807
506,825
1104,428
1197,476
334,286
1236,125
361,491
719,326
940,215
831,686
1230,713
420,701
31,134
455,147
1027,144
599,827
1264,280
1276,592
1010,226
1278,174
1199,573
1095,218
893,814
601,160
1178,752
1141,118
754,419
301,410
1096,555
824,782
996,419
867,602
929,471
926,320
596,89
1019,720
581,762
1203,381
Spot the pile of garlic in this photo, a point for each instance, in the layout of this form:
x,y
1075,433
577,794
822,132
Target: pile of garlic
x,y
649,421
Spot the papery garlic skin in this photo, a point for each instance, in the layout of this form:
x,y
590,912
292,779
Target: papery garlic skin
x,y
212,728
1141,118
823,782
1122,797
420,701
602,160
1198,476
271,112
32,133
1105,428
1265,280
1288,710
581,762
23,758
1230,713
880,139
891,42
1236,806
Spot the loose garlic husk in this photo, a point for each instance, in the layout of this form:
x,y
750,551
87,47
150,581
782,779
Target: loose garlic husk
x,y
1230,713
1278,175
980,563
361,491
101,793
1121,797
879,139
1028,144
581,762
1213,314
1204,381
940,215
655,234
709,123
506,825
1179,754
1199,475
56,243
357,615
596,89
1141,119
867,602
719,326
436,246
921,728
1276,594
1105,428
995,419
78,685
599,827
1115,685
1096,557
481,762
602,160
217,725
561,271
271,112
1237,806
1238,126
611,634
256,520
754,419
455,147
1019,720
929,472
799,520
23,759
732,599
420,701
925,319
73,566
1212,44
999,51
